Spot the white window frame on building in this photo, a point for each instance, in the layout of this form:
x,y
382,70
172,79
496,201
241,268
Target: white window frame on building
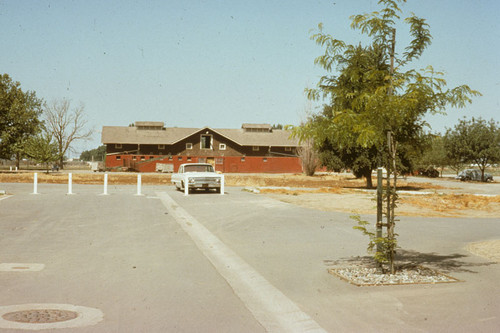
x,y
189,145
222,146
255,148
161,147
118,146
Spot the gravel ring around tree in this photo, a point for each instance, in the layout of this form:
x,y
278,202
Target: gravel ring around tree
x,y
362,271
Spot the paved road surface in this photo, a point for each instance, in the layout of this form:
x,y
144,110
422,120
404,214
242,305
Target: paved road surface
x,y
138,260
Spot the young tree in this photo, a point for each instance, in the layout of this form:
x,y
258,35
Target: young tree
x,y
42,149
19,117
66,125
474,141
308,156
375,100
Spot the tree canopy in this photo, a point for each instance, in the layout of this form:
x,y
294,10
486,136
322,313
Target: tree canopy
x,y
42,149
474,141
98,154
19,117
370,91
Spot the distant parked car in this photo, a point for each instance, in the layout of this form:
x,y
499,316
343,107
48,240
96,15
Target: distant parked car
x,y
198,176
473,174
428,172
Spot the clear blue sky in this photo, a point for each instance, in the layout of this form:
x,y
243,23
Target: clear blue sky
x,y
221,63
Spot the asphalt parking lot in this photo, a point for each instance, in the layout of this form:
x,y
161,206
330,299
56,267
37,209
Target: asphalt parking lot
x,y
241,262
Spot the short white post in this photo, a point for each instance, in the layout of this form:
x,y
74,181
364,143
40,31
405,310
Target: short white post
x,y
10,168
35,183
105,184
139,181
70,183
222,185
186,186
16,168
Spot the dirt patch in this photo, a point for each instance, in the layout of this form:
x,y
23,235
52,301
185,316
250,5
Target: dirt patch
x,y
296,180
302,191
430,205
487,249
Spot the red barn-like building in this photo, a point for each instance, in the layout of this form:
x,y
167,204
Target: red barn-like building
x,y
149,146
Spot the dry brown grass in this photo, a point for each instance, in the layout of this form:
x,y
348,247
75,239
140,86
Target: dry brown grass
x,y
85,178
295,180
336,190
453,202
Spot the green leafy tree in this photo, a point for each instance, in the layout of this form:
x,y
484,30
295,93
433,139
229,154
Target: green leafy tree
x,y
375,100
19,117
474,141
42,149
434,154
98,154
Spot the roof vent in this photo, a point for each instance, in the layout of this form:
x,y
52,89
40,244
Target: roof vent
x,y
150,125
257,128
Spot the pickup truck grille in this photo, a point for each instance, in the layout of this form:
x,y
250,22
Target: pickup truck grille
x,y
205,180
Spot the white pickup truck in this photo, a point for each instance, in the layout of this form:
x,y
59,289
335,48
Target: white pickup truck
x,y
197,176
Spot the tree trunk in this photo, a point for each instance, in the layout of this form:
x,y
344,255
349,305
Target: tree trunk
x,y
368,177
18,161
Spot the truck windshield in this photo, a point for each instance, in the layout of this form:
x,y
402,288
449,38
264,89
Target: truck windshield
x,y
198,168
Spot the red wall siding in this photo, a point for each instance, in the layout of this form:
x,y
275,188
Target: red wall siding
x,y
251,164
230,164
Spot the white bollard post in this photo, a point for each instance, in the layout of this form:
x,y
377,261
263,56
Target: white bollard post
x,y
186,186
10,168
70,183
222,185
139,181
105,184
35,183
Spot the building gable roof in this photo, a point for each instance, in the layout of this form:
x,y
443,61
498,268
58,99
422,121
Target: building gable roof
x,y
172,135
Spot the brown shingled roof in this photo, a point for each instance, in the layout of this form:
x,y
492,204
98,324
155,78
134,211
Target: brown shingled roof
x,y
171,135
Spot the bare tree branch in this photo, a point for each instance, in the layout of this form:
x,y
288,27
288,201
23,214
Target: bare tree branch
x,y
308,156
66,125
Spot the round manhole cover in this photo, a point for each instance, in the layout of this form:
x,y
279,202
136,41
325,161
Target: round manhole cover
x,y
40,316
48,316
